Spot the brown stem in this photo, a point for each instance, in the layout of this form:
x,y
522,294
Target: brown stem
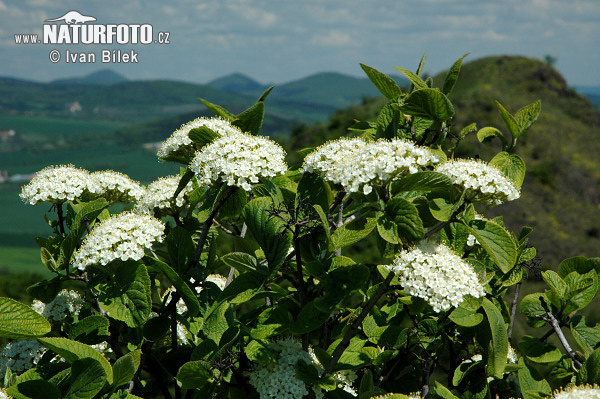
x,y
561,337
206,228
61,221
145,350
426,374
300,280
513,310
337,201
339,350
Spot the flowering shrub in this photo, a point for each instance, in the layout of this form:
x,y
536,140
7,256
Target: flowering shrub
x,y
239,278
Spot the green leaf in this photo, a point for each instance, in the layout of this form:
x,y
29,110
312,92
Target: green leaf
x,y
354,230
511,124
557,285
313,190
586,337
181,247
240,261
216,322
34,389
532,306
442,209
18,321
126,297
537,351
73,350
465,318
388,121
532,382
194,375
428,103
125,367
512,165
496,241
414,78
218,110
426,181
48,260
86,379
243,288
486,134
400,219
251,120
579,264
582,289
443,392
310,318
202,136
463,370
268,230
90,330
186,293
452,75
467,129
526,116
386,85
590,371
499,344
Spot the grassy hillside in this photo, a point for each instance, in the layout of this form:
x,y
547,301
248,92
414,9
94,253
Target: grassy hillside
x,y
561,195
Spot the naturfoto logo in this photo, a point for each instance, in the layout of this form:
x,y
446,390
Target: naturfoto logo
x,y
76,28
76,31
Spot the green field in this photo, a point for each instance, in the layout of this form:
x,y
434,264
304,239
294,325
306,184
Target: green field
x,y
50,141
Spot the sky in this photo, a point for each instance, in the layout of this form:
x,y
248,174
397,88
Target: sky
x,y
276,41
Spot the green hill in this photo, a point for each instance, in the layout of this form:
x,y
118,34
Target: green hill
x,y
561,195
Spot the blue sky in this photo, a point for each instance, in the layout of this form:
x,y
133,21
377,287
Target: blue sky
x,y
276,41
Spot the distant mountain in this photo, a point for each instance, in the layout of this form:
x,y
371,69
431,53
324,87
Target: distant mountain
x,y
592,93
104,77
105,95
237,83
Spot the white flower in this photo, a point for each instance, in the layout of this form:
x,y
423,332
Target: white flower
x,y
124,236
358,165
20,356
180,144
279,380
114,186
579,392
102,347
158,195
238,159
483,182
433,272
56,184
4,395
64,304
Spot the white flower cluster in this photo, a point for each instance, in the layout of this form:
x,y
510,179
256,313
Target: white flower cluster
x,y
238,159
358,165
433,272
179,142
579,392
56,184
389,395
114,186
123,236
483,182
158,195
20,356
64,304
279,381
4,395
